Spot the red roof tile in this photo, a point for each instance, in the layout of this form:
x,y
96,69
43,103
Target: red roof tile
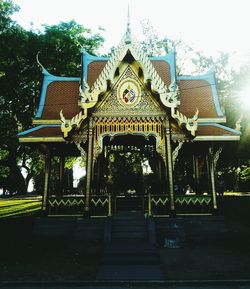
x,y
163,69
212,130
61,95
94,70
196,94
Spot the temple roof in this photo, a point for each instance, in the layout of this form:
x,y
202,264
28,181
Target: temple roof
x,y
197,94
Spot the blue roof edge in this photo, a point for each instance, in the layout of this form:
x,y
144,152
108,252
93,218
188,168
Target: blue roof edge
x,y
37,128
86,60
170,58
221,126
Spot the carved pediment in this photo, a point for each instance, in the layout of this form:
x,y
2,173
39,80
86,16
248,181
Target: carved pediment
x,y
128,97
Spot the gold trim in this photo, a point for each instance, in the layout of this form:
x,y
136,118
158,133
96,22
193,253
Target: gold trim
x,y
41,139
216,138
46,121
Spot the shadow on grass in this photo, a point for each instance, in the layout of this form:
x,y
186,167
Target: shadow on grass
x,y
22,207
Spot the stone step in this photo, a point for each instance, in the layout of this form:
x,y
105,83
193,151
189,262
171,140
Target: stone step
x,y
130,235
130,247
133,261
129,272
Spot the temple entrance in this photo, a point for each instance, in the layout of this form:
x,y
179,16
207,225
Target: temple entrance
x,y
131,169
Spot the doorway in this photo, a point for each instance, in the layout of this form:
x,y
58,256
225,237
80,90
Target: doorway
x,y
130,170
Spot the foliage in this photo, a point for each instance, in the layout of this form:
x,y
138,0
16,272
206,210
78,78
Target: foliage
x,y
20,79
61,46
124,171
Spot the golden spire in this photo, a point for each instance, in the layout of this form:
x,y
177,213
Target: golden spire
x,y
128,31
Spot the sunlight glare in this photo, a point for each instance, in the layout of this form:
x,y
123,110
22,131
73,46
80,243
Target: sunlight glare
x,y
245,97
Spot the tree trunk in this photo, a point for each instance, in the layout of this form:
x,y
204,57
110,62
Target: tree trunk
x,y
16,181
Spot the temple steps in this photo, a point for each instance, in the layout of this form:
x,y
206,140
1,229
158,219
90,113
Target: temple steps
x,y
130,255
129,226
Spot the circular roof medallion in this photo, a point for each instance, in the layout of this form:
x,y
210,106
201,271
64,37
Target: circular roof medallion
x,y
129,93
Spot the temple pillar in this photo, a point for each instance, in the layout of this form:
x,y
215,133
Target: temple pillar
x,y
46,182
170,170
61,174
89,168
196,173
212,176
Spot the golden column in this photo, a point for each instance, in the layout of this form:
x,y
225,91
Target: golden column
x,y
46,181
196,173
212,178
89,167
170,168
61,173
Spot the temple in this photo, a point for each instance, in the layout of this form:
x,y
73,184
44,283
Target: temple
x,y
150,139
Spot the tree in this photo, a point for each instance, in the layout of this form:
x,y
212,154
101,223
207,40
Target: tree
x,y
20,79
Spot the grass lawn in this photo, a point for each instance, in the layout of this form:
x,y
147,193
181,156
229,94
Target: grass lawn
x,y
18,207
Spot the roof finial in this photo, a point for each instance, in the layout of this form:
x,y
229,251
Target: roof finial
x,y
38,62
128,31
44,71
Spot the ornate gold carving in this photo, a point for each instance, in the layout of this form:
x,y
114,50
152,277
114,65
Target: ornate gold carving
x,y
114,105
168,95
123,125
81,136
80,148
217,156
191,124
67,125
172,95
89,97
176,152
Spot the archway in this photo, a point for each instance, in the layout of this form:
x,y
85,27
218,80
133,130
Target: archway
x,y
129,168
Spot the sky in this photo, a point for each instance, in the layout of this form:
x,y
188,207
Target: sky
x,y
209,26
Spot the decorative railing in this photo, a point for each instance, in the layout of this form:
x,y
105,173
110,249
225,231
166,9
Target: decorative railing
x,y
100,205
150,204
74,204
193,204
158,204
194,200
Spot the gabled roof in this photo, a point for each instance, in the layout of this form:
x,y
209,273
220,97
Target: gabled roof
x,y
75,95
168,95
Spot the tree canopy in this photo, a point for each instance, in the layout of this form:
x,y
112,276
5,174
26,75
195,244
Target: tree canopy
x,y
20,78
